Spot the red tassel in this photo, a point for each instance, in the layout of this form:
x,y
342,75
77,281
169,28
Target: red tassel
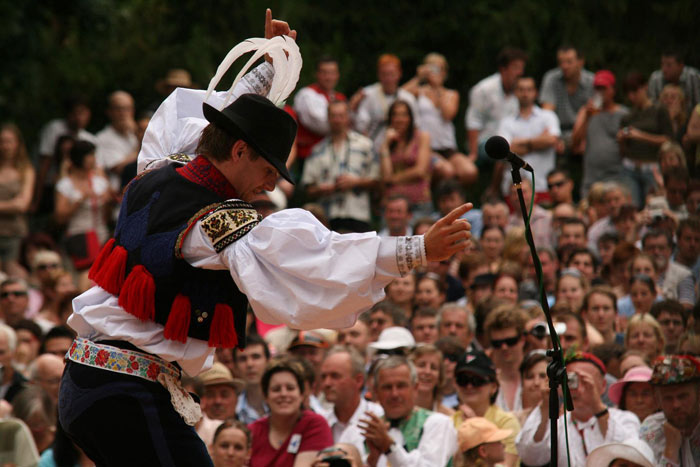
x,y
110,275
138,295
222,332
99,261
179,319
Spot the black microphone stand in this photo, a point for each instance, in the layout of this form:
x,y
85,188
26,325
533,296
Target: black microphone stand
x,y
556,370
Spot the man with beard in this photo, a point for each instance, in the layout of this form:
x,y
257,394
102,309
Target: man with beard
x,y
674,433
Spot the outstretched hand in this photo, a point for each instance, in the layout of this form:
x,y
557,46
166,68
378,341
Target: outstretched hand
x,y
275,27
448,235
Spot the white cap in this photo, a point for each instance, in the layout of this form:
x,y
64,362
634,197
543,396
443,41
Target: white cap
x,y
393,338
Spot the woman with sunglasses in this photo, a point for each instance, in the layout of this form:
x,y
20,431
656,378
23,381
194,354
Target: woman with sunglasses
x,y
477,388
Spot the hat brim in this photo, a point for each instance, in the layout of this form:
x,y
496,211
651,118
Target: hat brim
x,y
390,345
237,384
230,125
477,371
604,455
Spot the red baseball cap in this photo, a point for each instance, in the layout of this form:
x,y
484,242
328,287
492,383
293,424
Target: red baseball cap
x,y
604,78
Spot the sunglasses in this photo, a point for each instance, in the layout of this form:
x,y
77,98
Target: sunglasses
x,y
510,342
18,293
556,184
465,379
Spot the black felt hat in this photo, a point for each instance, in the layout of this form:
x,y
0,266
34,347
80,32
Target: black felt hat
x,y
269,130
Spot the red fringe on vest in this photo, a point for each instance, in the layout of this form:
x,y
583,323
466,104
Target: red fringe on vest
x,y
138,295
101,257
222,332
109,271
179,319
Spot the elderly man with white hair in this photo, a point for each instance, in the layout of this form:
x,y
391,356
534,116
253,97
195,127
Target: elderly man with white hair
x,y
11,381
46,373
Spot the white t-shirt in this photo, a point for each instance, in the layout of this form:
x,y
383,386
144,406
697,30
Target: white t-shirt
x,y
87,217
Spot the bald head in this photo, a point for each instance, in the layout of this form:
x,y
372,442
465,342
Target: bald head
x,y
121,111
46,372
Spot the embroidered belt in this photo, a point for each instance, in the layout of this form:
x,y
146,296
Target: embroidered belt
x,y
142,365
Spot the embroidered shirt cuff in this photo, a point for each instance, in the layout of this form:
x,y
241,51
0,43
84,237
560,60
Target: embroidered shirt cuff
x,y
410,253
260,78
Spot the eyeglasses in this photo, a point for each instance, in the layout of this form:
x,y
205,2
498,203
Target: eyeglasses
x,y
510,342
14,293
465,379
556,184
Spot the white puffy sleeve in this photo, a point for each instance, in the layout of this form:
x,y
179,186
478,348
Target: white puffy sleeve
x,y
295,271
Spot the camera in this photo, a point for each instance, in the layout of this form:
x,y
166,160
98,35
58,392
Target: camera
x,y
573,380
336,461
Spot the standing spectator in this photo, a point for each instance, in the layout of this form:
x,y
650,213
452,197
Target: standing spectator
x,y
688,245
311,105
342,381
540,218
566,89
675,71
250,363
417,436
644,334
492,99
533,133
72,128
16,189
397,217
371,103
341,172
673,99
673,434
560,186
596,126
437,107
405,159
590,424
220,392
290,434
673,319
11,382
642,132
117,144
675,280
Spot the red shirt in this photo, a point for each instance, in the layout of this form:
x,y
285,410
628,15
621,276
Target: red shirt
x,y
313,429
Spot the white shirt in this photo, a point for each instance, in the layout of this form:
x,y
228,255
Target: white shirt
x,y
350,432
112,149
87,216
372,113
543,160
287,266
312,110
621,426
488,105
437,445
54,130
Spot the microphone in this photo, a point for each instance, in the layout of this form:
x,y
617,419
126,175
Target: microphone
x,y
498,148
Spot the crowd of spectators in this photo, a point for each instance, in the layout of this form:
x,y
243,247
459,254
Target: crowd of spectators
x,y
451,367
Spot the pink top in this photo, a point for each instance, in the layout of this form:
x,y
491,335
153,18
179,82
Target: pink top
x,y
417,191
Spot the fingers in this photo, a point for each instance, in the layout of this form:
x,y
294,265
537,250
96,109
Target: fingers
x,y
456,214
293,34
268,23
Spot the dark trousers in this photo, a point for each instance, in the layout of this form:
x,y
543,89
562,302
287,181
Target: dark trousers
x,y
123,420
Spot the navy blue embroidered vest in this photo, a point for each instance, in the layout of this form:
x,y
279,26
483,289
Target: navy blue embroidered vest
x,y
144,267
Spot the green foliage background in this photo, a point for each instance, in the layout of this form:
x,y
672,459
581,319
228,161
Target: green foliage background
x,y
52,48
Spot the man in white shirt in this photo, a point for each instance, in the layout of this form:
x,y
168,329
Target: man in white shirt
x,y
373,101
342,381
492,99
117,145
590,424
413,436
533,134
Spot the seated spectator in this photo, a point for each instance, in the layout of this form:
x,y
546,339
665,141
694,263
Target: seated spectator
x,y
46,372
456,321
600,310
642,293
676,181
673,319
689,344
691,138
590,424
560,187
29,336
449,194
573,334
384,315
371,103
585,262
495,212
220,392
358,335
481,443
642,131
631,359
635,393
395,340
311,105
424,326
672,98
430,291
437,107
633,450
11,382
14,300
492,242
572,288
625,223
540,218
310,346
621,271
231,445
250,363
290,433
405,159
342,381
58,341
401,292
478,388
342,184
673,433
451,349
675,71
430,371
35,408
533,372
16,189
397,217
644,334
416,436
505,286
688,245
596,126
338,452
117,144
